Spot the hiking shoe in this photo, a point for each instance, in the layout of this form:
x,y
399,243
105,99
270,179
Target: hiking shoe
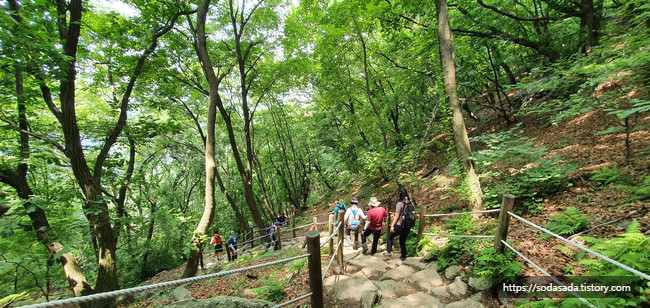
x,y
365,250
402,259
388,255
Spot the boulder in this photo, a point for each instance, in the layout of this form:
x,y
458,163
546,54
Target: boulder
x,y
334,279
439,292
221,302
414,300
458,288
425,279
452,271
352,289
398,274
416,263
479,284
391,289
467,303
369,298
181,293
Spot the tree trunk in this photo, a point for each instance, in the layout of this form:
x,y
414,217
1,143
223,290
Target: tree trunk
x,y
210,166
448,62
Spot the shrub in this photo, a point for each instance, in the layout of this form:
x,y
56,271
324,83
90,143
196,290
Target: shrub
x,y
606,176
571,222
497,267
272,289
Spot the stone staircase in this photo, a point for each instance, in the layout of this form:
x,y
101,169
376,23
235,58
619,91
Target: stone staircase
x,y
373,281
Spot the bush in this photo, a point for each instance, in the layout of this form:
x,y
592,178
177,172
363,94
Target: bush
x,y
272,289
512,164
497,267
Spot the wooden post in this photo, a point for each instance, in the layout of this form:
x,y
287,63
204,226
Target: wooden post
x,y
279,237
315,227
315,282
504,220
339,259
387,226
293,225
422,223
228,253
329,234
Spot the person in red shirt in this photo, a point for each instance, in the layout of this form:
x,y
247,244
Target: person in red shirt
x,y
374,219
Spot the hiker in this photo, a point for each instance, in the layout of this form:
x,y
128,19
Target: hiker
x,y
217,241
352,217
375,216
282,219
271,237
232,245
403,221
338,206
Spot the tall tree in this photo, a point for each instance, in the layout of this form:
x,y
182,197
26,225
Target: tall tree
x,y
448,64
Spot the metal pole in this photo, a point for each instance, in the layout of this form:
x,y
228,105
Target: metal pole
x,y
504,220
315,282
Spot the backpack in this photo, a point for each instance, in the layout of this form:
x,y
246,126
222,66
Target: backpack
x,y
408,219
268,230
217,239
354,224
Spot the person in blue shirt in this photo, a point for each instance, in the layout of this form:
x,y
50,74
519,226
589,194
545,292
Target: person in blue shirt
x,y
338,206
271,237
232,245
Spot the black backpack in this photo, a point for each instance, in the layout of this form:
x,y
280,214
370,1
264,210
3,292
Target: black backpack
x,y
408,220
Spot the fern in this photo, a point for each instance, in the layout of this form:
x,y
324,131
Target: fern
x,y
571,222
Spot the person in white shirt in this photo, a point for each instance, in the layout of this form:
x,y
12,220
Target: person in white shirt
x,y
353,216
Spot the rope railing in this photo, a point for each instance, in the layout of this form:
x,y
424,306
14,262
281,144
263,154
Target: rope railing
x,y
460,235
332,259
331,236
297,299
583,248
462,213
116,293
546,273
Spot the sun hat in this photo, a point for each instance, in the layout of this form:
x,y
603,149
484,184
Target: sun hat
x,y
374,202
354,201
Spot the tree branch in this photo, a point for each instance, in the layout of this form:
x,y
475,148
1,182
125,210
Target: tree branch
x,y
17,128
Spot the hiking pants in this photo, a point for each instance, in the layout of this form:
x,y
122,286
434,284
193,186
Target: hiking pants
x,y
375,239
356,233
269,240
403,234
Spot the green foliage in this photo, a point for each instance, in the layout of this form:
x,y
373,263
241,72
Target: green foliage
x,y
272,288
7,300
571,222
607,175
640,192
497,267
632,249
510,163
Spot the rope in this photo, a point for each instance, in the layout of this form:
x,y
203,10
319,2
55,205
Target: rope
x,y
331,236
307,225
116,293
546,273
454,235
322,223
612,261
461,213
293,300
332,259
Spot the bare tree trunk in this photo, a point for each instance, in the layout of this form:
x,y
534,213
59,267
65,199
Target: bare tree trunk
x,y
448,62
200,45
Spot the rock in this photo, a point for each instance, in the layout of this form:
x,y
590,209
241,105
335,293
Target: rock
x,y
353,288
425,279
416,263
181,293
368,299
458,288
391,289
398,273
452,271
351,269
221,302
479,284
393,263
439,292
249,293
334,279
414,300
467,303
432,265
503,297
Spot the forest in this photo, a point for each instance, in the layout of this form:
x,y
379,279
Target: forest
x,y
131,129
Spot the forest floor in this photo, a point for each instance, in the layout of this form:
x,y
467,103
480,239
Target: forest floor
x,y
608,208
